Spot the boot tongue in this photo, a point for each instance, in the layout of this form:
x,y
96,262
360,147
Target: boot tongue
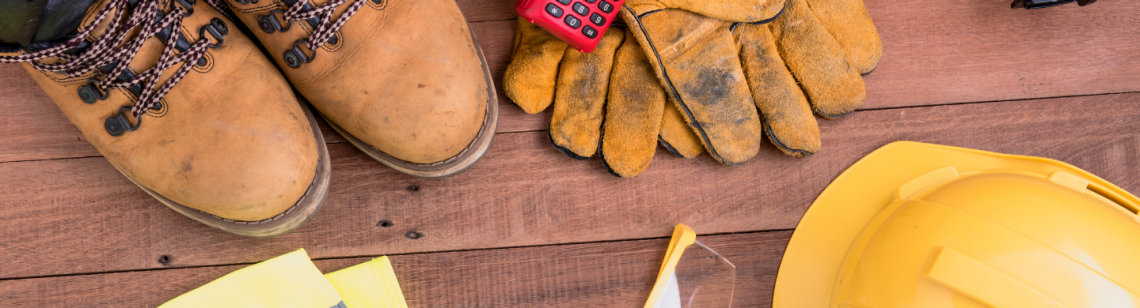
x,y
61,18
145,58
18,21
31,23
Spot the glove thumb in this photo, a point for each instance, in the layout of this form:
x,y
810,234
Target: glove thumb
x,y
530,78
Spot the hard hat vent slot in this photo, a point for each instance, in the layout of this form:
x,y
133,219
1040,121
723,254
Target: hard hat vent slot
x,y
1114,198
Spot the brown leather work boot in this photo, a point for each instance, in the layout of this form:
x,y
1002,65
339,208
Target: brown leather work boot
x,y
404,81
188,109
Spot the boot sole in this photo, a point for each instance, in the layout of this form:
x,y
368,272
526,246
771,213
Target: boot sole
x,y
281,224
451,166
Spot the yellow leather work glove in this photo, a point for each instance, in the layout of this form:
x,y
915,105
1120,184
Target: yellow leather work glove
x,y
607,99
801,63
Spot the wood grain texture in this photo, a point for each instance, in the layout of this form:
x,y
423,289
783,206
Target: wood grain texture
x,y
934,53
980,50
487,10
74,216
612,274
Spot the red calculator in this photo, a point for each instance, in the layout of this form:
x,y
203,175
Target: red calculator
x,y
581,23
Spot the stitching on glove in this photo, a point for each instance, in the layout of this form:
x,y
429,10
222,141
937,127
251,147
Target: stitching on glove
x,y
779,144
668,146
607,165
829,116
761,22
684,107
647,13
562,149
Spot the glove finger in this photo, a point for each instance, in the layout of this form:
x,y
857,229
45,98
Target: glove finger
x,y
851,26
697,63
761,11
529,80
785,112
677,136
583,80
633,113
833,87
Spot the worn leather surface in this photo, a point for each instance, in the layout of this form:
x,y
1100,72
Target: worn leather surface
x,y
676,135
728,10
850,24
580,95
788,118
606,100
799,64
832,85
404,76
633,113
231,138
697,62
533,72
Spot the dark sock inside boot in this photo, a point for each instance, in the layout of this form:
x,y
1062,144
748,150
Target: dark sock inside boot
x,y
25,23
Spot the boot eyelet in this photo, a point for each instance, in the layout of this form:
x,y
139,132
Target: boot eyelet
x,y
86,95
220,26
333,40
291,59
117,124
295,57
269,22
89,93
218,29
188,5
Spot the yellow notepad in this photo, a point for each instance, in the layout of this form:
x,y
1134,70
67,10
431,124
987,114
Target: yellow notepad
x,y
291,280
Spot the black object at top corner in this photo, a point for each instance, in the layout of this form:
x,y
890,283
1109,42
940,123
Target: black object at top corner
x,y
1040,4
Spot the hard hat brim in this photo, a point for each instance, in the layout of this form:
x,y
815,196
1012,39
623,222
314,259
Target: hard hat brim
x,y
827,231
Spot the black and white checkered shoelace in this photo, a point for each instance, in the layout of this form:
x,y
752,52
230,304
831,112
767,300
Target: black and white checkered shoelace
x,y
326,28
109,47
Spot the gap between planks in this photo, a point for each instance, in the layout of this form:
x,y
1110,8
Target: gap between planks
x,y
525,193
934,53
590,274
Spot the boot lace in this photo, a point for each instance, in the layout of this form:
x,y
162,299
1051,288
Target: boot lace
x,y
106,50
326,29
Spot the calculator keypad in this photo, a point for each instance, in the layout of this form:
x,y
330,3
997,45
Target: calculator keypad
x,y
573,22
580,9
606,7
597,19
582,28
553,10
589,32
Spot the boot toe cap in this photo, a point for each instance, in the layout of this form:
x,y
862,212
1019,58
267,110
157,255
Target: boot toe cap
x,y
238,170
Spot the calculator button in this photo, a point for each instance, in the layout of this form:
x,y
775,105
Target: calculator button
x,y
564,1
553,10
591,1
581,9
606,6
597,19
589,32
573,22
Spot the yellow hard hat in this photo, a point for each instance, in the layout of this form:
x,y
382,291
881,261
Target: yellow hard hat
x,y
921,225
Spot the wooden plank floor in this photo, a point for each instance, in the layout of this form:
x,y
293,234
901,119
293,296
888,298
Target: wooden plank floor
x,y
527,226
